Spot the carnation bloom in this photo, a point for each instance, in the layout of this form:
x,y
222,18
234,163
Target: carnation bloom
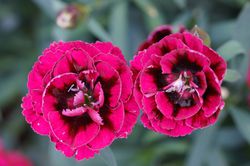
x,y
80,95
157,34
178,84
12,158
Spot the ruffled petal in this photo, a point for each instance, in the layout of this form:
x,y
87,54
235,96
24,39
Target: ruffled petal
x,y
98,94
180,128
123,70
71,132
184,60
104,138
63,65
88,47
199,80
164,104
130,119
182,112
38,124
85,152
137,92
163,124
51,92
65,149
35,79
28,111
166,45
212,96
111,83
113,118
192,41
149,107
199,120
151,77
136,64
146,122
148,81
159,33
218,64
80,60
108,47
95,116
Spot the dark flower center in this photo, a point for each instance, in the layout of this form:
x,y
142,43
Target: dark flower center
x,y
180,91
82,102
77,96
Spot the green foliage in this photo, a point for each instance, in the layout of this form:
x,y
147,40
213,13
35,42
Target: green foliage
x,y
105,158
203,147
118,24
232,75
241,119
151,14
231,49
32,26
98,31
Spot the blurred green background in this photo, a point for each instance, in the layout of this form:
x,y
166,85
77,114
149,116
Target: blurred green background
x,y
28,26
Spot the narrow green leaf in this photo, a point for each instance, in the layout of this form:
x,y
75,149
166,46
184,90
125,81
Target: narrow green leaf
x,y
222,31
242,121
50,7
242,27
108,157
105,158
118,25
79,33
232,75
57,158
229,137
216,157
203,143
201,146
182,18
9,88
152,16
13,127
181,3
150,137
96,29
171,147
241,34
231,49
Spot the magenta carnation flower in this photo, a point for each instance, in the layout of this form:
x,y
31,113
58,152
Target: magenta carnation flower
x,y
13,158
80,95
178,84
157,34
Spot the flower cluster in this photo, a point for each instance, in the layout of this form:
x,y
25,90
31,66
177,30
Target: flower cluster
x,y
80,95
178,84
84,95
